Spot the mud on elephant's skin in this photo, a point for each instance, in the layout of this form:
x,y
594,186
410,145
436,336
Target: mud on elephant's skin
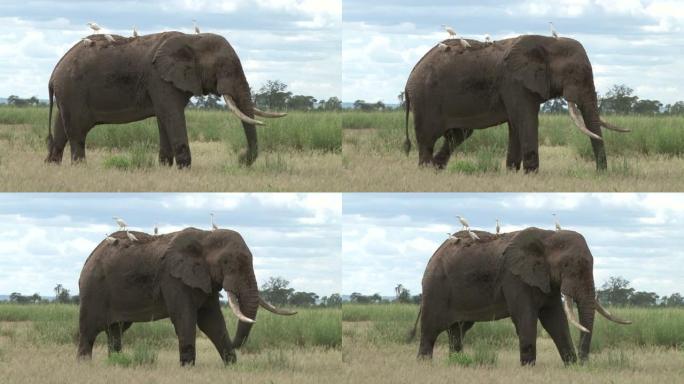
x,y
131,79
177,275
522,275
453,90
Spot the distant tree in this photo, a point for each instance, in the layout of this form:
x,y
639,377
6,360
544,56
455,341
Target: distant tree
x,y
19,102
332,104
380,106
558,105
375,298
643,299
647,107
618,100
276,291
674,300
416,299
303,299
675,109
16,297
75,299
402,102
61,294
35,298
301,102
403,296
615,291
335,300
359,298
273,95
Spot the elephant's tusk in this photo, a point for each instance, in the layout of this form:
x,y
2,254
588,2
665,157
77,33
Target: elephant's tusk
x,y
233,108
259,112
614,127
233,304
269,307
571,316
579,121
608,315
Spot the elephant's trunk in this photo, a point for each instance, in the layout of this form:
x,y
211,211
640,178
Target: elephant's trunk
x,y
590,115
583,295
249,303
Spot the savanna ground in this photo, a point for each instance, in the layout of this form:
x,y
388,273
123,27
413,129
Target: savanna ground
x,y
650,158
375,350
299,152
38,345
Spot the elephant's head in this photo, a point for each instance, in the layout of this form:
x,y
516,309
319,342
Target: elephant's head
x,y
211,260
551,68
206,64
555,261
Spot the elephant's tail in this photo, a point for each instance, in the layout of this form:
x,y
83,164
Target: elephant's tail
x,y
412,333
51,92
407,105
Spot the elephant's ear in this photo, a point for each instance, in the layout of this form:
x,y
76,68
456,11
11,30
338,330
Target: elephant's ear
x,y
185,261
527,62
525,258
176,62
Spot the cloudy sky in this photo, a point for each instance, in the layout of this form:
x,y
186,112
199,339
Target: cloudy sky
x,y
295,41
639,43
389,238
46,238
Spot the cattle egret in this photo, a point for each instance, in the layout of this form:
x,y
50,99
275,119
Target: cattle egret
x,y
109,38
194,22
109,239
442,46
131,237
554,33
135,32
488,39
94,26
87,42
463,221
558,227
464,43
122,224
452,237
498,227
156,229
213,226
473,235
449,30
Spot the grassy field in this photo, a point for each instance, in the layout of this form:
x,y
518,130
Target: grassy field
x,y
650,158
37,345
300,152
375,349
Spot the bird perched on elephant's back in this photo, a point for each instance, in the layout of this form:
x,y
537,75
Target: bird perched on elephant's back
x,y
522,275
454,91
178,276
130,79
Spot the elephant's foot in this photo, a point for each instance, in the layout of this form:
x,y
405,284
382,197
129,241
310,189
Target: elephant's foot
x,y
247,157
53,158
166,160
229,358
187,355
440,162
531,162
182,155
513,165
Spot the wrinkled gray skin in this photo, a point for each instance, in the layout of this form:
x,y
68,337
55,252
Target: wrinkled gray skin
x,y
135,78
177,275
456,90
520,275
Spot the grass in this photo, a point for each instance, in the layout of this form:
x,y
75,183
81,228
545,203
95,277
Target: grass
x,y
300,152
375,349
38,344
650,158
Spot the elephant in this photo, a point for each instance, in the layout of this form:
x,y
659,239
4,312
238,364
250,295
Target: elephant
x,y
525,275
178,276
454,90
131,79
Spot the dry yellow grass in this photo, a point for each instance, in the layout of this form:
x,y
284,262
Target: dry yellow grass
x,y
396,363
214,169
369,168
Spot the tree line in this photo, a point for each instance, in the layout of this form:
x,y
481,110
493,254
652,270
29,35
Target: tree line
x,y
616,291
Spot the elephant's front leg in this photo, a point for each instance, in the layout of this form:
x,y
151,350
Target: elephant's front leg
x,y
452,139
210,321
456,333
165,150
185,325
523,114
171,116
514,155
521,301
552,318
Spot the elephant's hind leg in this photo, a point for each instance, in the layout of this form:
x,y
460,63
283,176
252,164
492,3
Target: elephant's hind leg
x,y
456,333
210,321
86,339
115,333
452,139
58,142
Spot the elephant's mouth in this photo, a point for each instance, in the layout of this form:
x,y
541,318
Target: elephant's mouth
x,y
232,106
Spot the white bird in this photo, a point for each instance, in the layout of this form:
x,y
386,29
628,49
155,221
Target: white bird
x,y
463,221
464,43
449,30
488,39
498,227
135,32
131,237
87,42
213,226
109,38
442,46
194,22
473,235
93,25
156,229
109,239
122,224
554,33
558,227
452,237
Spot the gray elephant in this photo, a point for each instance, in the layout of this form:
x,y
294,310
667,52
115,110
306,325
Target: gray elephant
x,y
454,90
177,276
522,275
131,79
